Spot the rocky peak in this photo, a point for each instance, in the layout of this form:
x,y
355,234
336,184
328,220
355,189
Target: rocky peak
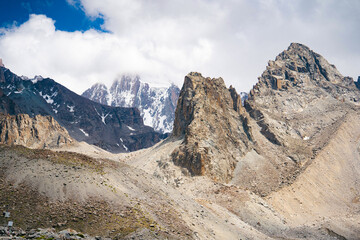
x,y
298,66
297,105
126,83
37,132
208,117
156,105
98,93
1,63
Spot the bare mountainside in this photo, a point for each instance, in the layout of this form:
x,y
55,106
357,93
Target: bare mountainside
x,y
284,166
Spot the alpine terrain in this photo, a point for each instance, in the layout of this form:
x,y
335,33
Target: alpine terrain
x,y
115,129
283,165
156,105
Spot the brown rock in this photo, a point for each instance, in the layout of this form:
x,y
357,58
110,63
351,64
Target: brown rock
x,y
37,132
208,117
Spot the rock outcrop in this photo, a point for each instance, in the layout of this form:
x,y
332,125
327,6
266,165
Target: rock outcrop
x,y
37,132
156,104
216,135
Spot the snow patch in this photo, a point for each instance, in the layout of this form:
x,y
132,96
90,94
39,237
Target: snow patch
x,y
122,143
148,120
71,108
131,129
306,138
49,98
102,116
85,133
37,79
19,92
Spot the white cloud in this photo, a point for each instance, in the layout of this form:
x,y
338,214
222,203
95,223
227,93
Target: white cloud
x,y
164,40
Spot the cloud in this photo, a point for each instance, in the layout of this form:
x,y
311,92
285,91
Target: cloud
x,y
164,40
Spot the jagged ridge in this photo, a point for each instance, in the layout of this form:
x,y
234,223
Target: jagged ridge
x,y
156,105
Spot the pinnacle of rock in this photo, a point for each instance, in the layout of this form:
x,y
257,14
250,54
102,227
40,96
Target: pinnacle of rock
x,y
209,118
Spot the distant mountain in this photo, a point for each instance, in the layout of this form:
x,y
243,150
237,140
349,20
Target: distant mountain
x,y
115,129
244,96
156,105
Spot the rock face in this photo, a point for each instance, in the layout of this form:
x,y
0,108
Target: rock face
x,y
290,116
37,132
216,135
297,86
296,107
156,105
114,129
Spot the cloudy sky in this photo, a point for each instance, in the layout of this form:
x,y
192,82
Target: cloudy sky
x,y
81,42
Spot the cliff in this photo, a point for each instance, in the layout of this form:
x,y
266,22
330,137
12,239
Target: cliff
x,y
37,132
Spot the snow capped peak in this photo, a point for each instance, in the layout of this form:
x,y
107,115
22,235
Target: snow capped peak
x,y
25,78
98,93
244,96
99,86
36,79
156,104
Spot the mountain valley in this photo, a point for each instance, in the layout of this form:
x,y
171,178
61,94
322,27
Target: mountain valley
x,y
280,163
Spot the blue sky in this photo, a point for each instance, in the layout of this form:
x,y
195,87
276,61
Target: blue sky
x,y
68,17
82,42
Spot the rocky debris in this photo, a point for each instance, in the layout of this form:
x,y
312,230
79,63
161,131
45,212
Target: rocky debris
x,y
114,129
46,233
156,105
37,132
42,188
216,135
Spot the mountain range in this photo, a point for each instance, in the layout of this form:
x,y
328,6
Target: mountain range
x,y
116,129
156,105
283,164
